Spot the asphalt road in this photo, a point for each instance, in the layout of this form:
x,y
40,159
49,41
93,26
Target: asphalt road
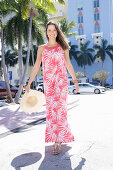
x,y
91,120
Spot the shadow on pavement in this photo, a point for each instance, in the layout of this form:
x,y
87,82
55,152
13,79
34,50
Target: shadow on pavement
x,y
81,164
56,162
25,160
14,119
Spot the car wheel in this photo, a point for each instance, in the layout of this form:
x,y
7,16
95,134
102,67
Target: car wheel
x,y
74,91
40,90
96,91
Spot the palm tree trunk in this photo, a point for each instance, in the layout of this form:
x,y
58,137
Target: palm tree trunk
x,y
4,66
20,57
27,62
35,84
32,55
103,65
84,70
32,60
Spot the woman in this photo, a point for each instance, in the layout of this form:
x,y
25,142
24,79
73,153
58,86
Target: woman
x,y
55,58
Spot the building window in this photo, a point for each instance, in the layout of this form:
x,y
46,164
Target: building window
x,y
80,29
80,39
97,41
96,3
80,21
97,27
96,17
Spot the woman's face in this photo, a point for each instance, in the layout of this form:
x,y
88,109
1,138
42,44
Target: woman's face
x,y
51,32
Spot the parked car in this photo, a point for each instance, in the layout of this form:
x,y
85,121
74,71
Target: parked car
x,y
86,88
3,91
40,87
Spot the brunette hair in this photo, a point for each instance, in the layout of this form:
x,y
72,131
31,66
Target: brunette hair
x,y
60,36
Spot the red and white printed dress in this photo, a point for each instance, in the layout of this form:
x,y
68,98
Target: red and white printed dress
x,y
56,90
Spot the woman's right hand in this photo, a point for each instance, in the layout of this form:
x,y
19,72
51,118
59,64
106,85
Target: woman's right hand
x,y
27,88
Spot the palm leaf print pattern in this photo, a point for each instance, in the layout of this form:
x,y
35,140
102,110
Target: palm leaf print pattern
x,y
56,90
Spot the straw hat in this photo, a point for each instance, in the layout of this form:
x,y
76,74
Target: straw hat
x,y
32,101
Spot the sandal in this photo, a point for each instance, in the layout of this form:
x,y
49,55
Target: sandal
x,y
56,148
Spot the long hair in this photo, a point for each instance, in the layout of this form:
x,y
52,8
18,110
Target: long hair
x,y
60,39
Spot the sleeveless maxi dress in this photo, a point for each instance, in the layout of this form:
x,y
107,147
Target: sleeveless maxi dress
x,y
55,81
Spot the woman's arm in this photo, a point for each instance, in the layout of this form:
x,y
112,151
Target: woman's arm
x,y
70,69
36,67
69,65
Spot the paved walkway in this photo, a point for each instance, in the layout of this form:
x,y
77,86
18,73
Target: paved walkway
x,y
22,145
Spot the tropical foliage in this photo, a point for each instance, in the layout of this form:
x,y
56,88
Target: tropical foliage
x,y
103,51
66,27
11,58
85,56
25,14
101,76
73,51
3,64
80,75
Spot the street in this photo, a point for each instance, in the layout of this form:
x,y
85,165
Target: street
x,y
91,120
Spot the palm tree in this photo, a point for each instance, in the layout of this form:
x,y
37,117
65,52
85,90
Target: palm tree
x,y
15,29
50,7
28,54
0,66
14,34
4,10
32,59
21,8
85,56
73,52
10,58
33,55
104,50
65,27
110,53
4,66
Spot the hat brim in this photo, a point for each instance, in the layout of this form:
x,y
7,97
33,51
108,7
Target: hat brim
x,y
35,108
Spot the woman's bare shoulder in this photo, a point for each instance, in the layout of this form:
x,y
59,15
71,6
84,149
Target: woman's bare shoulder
x,y
41,47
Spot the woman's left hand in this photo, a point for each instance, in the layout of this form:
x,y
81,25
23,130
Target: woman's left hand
x,y
77,87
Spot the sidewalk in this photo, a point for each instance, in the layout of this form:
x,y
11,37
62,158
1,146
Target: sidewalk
x,y
91,150
12,117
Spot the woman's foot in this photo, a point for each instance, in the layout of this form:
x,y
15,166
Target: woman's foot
x,y
56,148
